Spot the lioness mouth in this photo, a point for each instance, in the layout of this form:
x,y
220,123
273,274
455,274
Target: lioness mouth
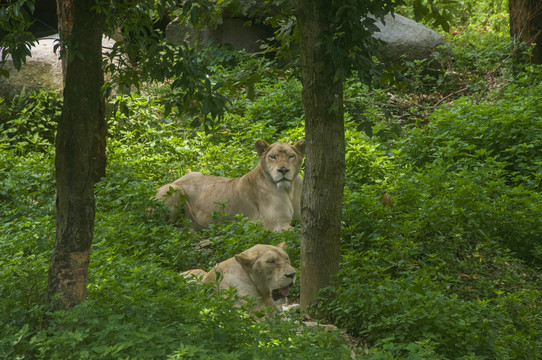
x,y
278,294
283,183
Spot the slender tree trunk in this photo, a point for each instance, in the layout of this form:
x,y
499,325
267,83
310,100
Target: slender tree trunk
x,y
325,154
78,139
526,25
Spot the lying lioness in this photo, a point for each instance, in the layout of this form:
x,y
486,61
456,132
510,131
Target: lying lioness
x,y
262,272
271,191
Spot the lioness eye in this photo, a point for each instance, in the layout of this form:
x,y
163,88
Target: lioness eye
x,y
271,261
292,157
273,157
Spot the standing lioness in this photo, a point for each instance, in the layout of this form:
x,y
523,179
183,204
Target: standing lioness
x,y
270,192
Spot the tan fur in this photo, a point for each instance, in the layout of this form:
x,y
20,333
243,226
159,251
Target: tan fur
x,y
271,191
194,275
255,273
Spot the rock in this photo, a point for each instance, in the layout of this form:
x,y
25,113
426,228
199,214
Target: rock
x,y
42,71
232,31
239,35
326,327
406,38
291,307
178,33
203,244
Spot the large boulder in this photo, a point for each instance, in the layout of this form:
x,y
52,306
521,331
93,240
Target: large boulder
x,y
407,39
233,31
42,71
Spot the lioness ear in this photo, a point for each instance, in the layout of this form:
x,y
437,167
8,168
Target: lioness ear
x,y
300,146
261,146
244,259
282,246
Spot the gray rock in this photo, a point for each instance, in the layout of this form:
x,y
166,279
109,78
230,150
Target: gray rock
x,y
232,31
406,38
42,71
239,35
178,33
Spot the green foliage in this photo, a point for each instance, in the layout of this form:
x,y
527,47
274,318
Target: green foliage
x,y
366,163
350,41
408,311
438,13
278,105
483,56
445,14
508,131
138,305
437,276
144,54
15,39
28,122
486,158
142,311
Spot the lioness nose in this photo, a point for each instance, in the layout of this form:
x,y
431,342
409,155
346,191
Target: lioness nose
x,y
283,170
290,275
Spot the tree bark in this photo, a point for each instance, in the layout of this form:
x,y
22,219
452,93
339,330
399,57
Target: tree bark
x,y
325,153
77,165
526,25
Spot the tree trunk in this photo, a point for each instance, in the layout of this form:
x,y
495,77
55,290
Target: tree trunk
x,y
325,153
526,25
77,139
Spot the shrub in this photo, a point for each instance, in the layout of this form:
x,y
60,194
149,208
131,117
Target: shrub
x,y
138,305
409,310
479,164
508,131
279,105
28,122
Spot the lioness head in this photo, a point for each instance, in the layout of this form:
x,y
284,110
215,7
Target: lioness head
x,y
281,161
270,269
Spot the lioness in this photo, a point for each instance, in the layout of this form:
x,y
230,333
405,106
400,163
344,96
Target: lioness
x,y
262,272
271,191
